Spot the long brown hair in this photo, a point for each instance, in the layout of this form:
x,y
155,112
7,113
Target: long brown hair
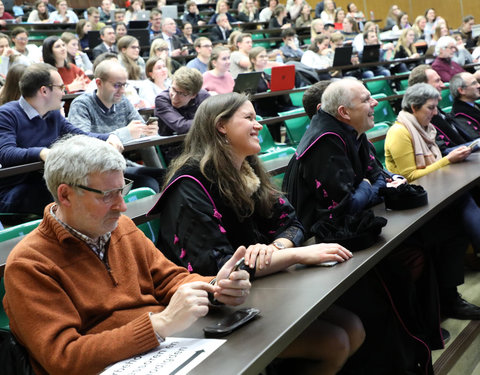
x,y
133,70
11,88
207,147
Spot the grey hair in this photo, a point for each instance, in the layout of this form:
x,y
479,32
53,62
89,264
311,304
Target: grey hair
x,y
417,95
443,43
338,94
73,158
455,83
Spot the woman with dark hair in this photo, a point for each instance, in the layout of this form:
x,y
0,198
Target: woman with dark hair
x,y
218,197
279,19
120,30
82,29
11,89
39,14
158,80
54,53
129,57
319,55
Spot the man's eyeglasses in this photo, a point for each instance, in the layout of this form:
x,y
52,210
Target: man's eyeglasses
x,y
176,92
110,195
118,85
206,46
61,87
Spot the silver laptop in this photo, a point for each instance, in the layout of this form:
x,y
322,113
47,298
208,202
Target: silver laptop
x,y
170,11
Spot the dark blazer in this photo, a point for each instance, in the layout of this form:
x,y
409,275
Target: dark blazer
x,y
176,42
98,50
216,34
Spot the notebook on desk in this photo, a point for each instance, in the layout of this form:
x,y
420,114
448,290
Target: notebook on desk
x,y
371,53
142,35
137,24
282,78
343,56
93,37
247,82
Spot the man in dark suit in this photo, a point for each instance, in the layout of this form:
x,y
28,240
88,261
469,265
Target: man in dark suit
x,y
222,30
107,34
465,90
169,28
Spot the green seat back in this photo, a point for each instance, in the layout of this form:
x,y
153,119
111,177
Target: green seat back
x,y
150,228
296,98
383,112
447,109
296,126
447,99
379,130
379,87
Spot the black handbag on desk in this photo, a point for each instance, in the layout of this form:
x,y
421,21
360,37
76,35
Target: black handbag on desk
x,y
404,196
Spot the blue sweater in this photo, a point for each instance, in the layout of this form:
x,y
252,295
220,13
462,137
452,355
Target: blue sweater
x,y
22,139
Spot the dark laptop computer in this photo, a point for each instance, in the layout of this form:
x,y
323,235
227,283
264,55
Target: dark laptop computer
x,y
371,53
142,35
138,24
247,82
282,78
94,40
343,56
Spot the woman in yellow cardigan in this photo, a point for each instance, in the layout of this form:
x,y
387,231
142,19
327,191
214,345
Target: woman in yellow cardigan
x,y
410,148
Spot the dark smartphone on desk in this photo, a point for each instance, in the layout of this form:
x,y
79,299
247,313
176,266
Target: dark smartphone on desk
x,y
231,322
151,119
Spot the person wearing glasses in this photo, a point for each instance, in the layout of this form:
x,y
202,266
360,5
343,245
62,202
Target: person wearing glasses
x,y
28,127
32,53
99,289
176,107
203,46
107,109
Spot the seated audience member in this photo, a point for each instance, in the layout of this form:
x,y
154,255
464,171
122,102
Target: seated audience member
x,y
203,47
158,79
419,28
239,60
319,55
82,29
462,56
105,10
63,14
466,30
176,106
159,48
304,19
132,11
440,30
294,7
450,132
354,13
431,24
107,35
20,40
119,16
339,17
74,55
386,53
312,98
129,56
222,30
93,16
28,127
219,170
358,41
350,28
465,91
402,23
120,30
392,16
218,80
107,110
192,14
169,28
102,315
267,12
247,12
9,57
155,25
443,64
10,91
332,179
411,150
279,19
188,38
405,48
328,13
290,48
55,53
5,16
39,14
222,8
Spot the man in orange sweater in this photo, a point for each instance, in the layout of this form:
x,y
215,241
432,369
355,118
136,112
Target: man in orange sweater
x,y
87,288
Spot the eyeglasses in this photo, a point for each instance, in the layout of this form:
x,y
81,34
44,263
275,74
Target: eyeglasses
x,y
118,85
21,39
185,95
110,195
61,87
206,46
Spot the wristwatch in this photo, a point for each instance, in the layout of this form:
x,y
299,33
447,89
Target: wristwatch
x,y
279,245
